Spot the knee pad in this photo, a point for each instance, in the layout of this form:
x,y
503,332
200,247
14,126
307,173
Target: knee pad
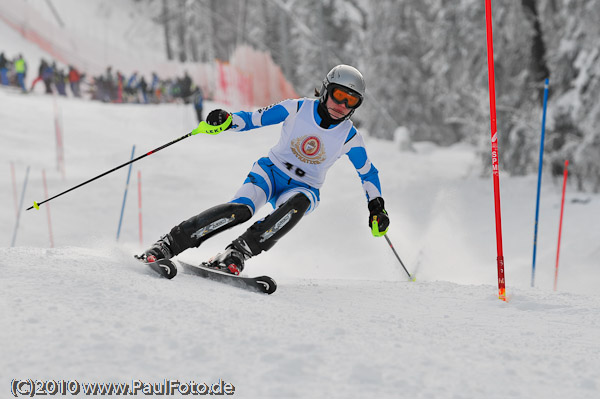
x,y
197,229
262,235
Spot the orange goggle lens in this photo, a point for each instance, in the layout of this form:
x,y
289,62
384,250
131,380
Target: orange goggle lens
x,y
340,97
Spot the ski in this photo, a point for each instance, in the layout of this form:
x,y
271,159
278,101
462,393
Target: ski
x,y
263,284
164,267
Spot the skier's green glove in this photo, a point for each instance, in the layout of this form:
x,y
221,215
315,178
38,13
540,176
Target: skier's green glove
x,y
217,121
379,222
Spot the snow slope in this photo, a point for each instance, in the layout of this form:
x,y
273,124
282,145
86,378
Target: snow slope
x,y
344,321
93,315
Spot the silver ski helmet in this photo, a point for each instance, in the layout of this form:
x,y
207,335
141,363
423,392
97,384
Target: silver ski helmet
x,y
346,77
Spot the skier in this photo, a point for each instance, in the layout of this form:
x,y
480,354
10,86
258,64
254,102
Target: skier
x,y
315,133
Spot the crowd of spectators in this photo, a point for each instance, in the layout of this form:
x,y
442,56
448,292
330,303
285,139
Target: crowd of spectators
x,y
117,87
113,87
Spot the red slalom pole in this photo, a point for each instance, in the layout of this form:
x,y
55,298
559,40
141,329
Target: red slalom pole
x,y
140,204
48,208
562,208
60,151
495,165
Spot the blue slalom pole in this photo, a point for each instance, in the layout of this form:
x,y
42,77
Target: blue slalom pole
x,y
14,237
539,183
125,195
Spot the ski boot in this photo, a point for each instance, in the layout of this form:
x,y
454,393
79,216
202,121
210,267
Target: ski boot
x,y
159,250
231,261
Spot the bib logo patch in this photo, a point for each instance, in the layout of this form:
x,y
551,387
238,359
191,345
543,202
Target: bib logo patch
x,y
308,149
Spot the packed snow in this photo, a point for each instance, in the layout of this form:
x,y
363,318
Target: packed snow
x,y
345,321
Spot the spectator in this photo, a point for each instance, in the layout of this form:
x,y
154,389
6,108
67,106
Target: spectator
x,y
109,75
120,79
132,84
111,84
143,88
3,69
60,82
154,88
48,76
21,69
186,88
174,88
198,99
39,78
101,89
74,79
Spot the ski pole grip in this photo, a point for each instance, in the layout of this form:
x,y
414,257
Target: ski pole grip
x,y
375,228
205,128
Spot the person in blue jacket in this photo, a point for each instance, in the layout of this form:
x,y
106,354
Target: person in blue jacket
x,y
198,103
314,135
3,69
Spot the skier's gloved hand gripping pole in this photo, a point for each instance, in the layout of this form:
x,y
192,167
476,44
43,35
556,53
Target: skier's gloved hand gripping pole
x,y
203,127
379,222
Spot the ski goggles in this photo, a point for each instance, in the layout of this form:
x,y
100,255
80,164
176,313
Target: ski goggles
x,y
341,95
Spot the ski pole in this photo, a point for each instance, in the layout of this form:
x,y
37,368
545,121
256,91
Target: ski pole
x,y
400,260
203,127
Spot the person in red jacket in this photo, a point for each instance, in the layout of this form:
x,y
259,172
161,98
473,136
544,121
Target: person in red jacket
x,y
74,79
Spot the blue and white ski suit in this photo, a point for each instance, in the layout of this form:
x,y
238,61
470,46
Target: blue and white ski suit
x,y
300,160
